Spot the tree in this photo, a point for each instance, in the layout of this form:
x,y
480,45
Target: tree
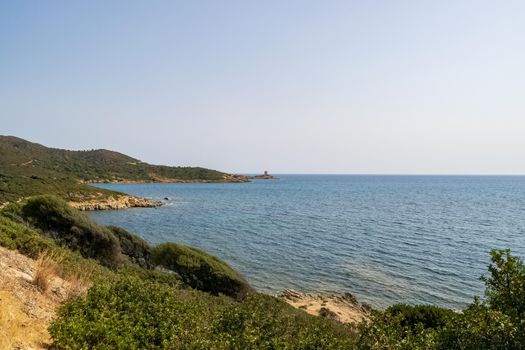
x,y
505,285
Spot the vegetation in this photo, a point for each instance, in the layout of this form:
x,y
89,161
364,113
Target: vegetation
x,y
28,169
200,270
422,316
134,247
495,323
15,187
134,306
46,268
506,284
32,242
72,228
131,313
176,297
117,248
199,321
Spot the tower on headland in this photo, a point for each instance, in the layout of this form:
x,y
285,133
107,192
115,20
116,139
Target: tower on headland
x,y
264,176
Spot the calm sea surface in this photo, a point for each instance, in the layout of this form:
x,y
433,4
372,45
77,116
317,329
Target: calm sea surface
x,y
387,239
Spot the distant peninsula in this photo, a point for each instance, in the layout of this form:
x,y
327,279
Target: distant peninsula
x,y
28,169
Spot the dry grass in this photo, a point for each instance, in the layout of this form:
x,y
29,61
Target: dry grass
x,y
30,292
46,268
78,283
25,312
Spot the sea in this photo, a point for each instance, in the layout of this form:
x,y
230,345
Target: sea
x,y
385,239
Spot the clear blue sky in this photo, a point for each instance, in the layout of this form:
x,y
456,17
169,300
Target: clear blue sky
x,y
288,86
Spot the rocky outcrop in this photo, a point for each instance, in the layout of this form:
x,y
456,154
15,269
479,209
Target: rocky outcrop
x,y
113,203
339,307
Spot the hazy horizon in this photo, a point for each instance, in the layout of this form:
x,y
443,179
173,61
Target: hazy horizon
x,y
340,87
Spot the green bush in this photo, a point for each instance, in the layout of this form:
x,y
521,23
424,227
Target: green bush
x,y
130,313
427,316
386,332
160,275
72,228
479,327
17,236
264,322
134,314
28,241
505,285
135,248
200,270
497,323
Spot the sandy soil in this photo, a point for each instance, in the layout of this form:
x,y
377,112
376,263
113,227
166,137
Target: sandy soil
x,y
343,308
25,311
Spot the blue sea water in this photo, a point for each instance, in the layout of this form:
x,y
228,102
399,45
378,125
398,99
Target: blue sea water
x,y
386,239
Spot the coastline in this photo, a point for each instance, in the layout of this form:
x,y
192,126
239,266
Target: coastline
x,y
339,307
158,179
129,201
342,308
115,203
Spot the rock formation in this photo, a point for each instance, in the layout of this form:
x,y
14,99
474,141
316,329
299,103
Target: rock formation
x,y
339,307
120,202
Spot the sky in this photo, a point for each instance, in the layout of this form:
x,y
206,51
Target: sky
x,y
353,87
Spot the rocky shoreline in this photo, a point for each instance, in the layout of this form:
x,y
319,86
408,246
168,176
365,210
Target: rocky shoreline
x,y
338,307
115,203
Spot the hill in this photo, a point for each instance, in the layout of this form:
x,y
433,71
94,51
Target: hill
x,y
28,168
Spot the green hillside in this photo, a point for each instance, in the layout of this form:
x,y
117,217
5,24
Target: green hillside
x,y
28,168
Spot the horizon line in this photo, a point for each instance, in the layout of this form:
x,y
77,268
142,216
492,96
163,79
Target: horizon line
x,y
383,174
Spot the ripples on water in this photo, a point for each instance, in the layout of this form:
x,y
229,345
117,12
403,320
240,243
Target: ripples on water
x,y
387,239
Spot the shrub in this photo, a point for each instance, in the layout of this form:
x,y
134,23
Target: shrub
x,y
264,322
497,323
78,283
18,236
72,228
137,249
479,327
12,211
386,332
200,270
427,316
134,314
159,275
131,313
505,286
28,241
